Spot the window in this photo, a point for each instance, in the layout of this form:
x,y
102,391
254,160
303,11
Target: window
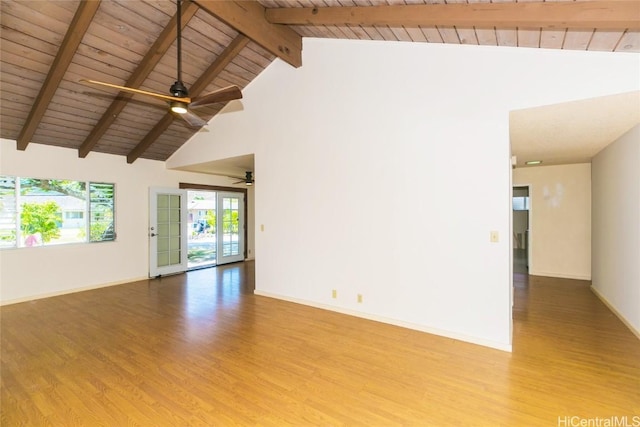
x,y
39,212
521,203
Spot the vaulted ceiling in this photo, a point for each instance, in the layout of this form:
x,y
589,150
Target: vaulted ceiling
x,y
47,47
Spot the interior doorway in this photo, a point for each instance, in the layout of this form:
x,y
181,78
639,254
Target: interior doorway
x,y
521,235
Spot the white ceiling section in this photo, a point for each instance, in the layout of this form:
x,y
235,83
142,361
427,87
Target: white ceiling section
x,y
572,132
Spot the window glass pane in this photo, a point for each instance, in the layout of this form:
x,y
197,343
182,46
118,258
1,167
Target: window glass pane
x,y
36,212
521,203
101,208
43,207
8,212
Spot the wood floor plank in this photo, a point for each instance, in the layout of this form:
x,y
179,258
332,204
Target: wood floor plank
x,y
201,349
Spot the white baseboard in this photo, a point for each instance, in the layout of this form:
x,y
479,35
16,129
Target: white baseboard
x,y
68,291
396,322
611,307
559,275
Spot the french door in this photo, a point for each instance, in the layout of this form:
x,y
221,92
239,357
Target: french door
x,y
230,227
167,231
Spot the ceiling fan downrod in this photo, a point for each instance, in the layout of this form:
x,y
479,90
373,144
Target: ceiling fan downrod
x,y
178,89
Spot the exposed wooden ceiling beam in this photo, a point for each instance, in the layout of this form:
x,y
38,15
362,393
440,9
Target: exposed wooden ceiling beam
x,y
248,17
605,15
79,25
150,60
203,81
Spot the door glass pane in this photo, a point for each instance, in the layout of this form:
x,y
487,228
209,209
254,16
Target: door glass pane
x,y
163,215
230,218
163,229
163,259
175,229
163,201
174,215
168,229
174,243
163,244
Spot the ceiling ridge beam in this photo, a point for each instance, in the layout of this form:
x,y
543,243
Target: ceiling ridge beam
x,y
248,18
72,39
142,71
605,15
203,81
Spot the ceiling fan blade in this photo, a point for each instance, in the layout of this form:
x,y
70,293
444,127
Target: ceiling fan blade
x,y
222,95
192,119
137,91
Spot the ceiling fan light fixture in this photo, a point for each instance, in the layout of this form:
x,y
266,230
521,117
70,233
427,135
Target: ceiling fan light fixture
x,y
178,107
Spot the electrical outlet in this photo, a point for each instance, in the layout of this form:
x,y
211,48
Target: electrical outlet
x,y
359,298
334,294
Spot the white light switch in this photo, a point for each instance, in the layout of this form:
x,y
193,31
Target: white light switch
x,y
261,227
494,237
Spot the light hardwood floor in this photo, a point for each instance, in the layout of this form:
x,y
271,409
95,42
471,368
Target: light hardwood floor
x,y
201,350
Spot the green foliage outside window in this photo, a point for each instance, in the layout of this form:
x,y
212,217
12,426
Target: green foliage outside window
x,y
43,218
210,217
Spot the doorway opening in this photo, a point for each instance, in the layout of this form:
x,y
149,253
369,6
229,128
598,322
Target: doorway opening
x,y
521,236
201,226
216,232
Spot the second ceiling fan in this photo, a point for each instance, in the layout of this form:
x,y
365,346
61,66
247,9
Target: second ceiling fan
x,y
179,100
247,180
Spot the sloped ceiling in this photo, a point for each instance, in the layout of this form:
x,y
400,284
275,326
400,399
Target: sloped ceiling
x,y
572,132
47,47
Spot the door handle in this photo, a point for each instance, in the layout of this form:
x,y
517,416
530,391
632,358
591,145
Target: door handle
x,y
153,234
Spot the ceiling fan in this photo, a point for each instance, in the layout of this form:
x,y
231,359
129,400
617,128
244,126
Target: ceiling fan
x,y
247,180
179,100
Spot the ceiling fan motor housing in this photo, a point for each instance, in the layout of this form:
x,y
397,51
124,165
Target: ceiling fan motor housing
x,y
178,89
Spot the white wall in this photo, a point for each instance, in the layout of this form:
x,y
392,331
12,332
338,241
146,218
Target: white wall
x,y
560,219
361,155
28,273
616,226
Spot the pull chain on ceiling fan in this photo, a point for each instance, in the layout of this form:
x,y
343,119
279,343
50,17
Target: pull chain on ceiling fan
x,y
179,100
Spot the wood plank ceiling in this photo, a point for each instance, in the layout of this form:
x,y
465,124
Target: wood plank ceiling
x,y
46,47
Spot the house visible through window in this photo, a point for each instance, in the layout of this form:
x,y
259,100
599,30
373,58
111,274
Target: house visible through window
x,y
38,212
